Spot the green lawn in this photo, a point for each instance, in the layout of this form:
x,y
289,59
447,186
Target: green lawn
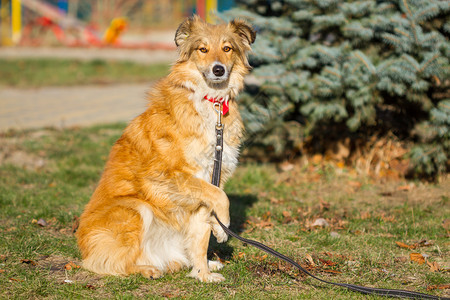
x,y
50,174
26,73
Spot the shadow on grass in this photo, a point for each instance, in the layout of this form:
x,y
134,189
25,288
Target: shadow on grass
x,y
239,205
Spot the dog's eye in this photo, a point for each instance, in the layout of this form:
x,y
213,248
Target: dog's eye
x,y
203,50
226,49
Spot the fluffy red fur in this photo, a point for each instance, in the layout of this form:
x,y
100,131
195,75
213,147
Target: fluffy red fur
x,y
151,211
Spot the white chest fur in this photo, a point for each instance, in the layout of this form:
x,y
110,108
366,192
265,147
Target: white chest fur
x,y
205,157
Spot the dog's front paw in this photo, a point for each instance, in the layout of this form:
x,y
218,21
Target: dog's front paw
x,y
207,276
149,272
218,232
224,217
214,265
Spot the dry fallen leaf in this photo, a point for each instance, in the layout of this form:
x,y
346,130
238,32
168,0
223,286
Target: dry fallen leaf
x,y
285,166
286,214
274,200
71,265
403,245
310,260
401,259
445,286
434,266
417,257
219,259
324,205
28,262
287,217
266,216
327,262
339,223
263,224
42,223
422,243
90,287
405,187
332,271
260,258
425,243
320,222
364,215
64,230
168,295
52,184
388,218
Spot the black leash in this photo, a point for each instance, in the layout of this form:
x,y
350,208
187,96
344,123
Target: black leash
x,y
215,180
353,287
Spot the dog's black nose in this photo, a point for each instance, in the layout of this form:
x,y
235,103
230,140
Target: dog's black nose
x,y
218,70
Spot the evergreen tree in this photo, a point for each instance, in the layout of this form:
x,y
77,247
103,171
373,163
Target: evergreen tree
x,y
332,70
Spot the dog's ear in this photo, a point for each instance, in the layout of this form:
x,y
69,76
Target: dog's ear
x,y
244,30
184,30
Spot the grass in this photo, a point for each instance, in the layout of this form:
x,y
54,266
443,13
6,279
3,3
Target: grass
x,y
50,174
28,73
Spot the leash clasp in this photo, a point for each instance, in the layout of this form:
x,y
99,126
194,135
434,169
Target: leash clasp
x,y
219,114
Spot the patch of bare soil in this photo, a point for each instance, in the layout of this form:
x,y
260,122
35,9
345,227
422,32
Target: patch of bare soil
x,y
12,153
65,270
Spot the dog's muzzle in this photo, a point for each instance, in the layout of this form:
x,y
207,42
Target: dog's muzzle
x,y
217,73
218,70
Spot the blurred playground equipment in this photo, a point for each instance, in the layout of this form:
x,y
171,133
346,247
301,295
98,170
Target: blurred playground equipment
x,y
97,23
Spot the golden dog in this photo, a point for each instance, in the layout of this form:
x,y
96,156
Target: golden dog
x,y
151,211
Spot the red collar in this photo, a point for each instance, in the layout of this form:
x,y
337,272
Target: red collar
x,y
225,107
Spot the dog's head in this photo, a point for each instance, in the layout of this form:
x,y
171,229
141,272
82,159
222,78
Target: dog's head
x,y
215,49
